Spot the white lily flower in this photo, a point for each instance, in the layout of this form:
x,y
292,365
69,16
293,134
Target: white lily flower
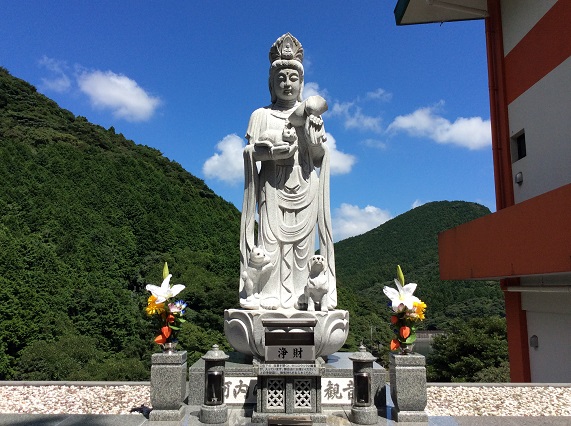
x,y
165,291
402,295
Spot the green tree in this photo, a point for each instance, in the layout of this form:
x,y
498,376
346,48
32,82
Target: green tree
x,y
471,351
69,358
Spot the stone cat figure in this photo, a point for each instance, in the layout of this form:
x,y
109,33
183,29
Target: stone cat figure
x,y
258,263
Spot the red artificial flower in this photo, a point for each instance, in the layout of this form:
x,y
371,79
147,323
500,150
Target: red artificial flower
x,y
394,319
161,339
166,331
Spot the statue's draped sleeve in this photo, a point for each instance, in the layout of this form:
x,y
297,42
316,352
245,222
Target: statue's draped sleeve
x,y
251,190
325,227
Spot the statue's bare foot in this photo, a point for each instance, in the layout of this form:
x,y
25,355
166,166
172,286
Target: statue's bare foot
x,y
270,303
249,304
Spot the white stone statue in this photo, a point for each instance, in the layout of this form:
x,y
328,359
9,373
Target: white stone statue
x,y
289,191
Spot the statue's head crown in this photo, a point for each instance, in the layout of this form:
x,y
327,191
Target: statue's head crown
x,y
287,48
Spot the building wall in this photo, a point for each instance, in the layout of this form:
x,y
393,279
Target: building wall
x,y
549,319
519,16
538,78
543,112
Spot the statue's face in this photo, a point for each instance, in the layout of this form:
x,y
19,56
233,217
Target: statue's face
x,y
287,84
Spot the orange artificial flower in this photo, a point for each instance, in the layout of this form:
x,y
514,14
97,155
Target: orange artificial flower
x,y
170,318
395,344
404,332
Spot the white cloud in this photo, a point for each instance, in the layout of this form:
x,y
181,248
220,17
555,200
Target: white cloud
x,y
380,94
472,133
59,82
374,143
418,203
349,220
340,163
311,89
354,117
119,93
228,165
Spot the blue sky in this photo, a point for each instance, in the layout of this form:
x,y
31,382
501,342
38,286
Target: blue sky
x,y
408,117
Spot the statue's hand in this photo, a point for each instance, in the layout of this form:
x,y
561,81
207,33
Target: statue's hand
x,y
281,152
268,152
314,130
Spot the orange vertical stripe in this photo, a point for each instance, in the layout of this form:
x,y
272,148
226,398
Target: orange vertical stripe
x,y
518,348
515,316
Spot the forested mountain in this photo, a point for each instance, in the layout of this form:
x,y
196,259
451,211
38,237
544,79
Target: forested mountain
x,y
87,219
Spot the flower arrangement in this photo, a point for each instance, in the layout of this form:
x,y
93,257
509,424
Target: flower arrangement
x,y
407,309
167,312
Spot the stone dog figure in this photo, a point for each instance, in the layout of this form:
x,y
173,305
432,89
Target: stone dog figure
x,y
317,286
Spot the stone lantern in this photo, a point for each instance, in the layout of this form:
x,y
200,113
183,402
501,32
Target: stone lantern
x,y
363,409
213,409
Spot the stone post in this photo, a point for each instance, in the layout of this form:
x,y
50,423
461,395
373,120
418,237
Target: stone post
x,y
168,386
408,387
363,409
214,410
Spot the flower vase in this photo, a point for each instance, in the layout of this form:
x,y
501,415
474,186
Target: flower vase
x,y
406,349
169,347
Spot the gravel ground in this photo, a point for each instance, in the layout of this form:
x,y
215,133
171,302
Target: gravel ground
x,y
499,401
73,399
442,401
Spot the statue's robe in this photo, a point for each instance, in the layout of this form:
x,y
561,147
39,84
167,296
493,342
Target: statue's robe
x,y
291,197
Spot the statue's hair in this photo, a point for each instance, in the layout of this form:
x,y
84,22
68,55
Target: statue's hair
x,y
286,52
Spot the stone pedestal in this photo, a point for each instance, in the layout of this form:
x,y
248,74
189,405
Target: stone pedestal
x,y
408,387
168,386
245,331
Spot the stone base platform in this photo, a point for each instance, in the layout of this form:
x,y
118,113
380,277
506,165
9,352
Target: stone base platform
x,y
241,383
246,333
288,419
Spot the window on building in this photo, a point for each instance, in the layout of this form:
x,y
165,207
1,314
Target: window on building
x,y
518,147
520,142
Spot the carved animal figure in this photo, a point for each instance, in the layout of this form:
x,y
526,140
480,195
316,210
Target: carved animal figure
x,y
273,137
317,286
258,263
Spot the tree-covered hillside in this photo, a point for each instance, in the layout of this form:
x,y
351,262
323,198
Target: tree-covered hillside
x,y
87,218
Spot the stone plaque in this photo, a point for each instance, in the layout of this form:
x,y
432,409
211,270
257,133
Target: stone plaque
x,y
336,391
288,370
290,353
240,390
